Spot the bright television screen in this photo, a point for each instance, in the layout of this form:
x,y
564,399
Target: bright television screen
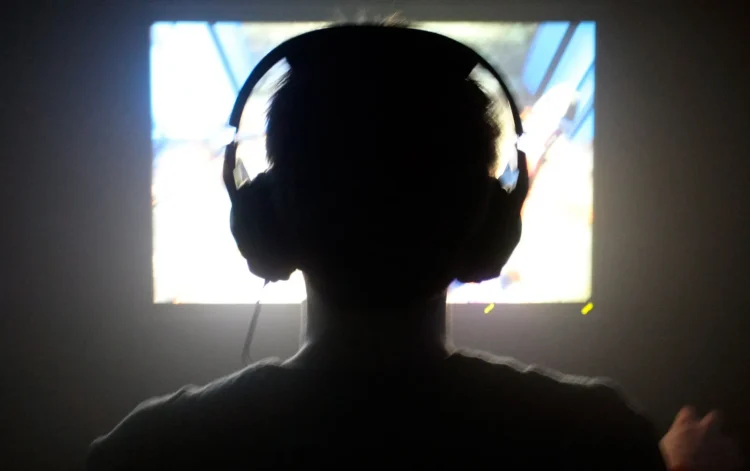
x,y
197,69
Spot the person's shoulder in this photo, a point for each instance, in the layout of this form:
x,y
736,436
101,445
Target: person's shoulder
x,y
585,408
507,370
160,429
549,388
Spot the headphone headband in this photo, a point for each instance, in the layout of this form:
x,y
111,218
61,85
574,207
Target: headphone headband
x,y
432,49
339,46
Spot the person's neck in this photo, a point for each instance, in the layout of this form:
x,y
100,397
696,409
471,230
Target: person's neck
x,y
372,338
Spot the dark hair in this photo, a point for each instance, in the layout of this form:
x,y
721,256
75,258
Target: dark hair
x,y
381,175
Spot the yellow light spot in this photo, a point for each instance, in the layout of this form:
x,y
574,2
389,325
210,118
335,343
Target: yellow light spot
x,y
489,308
587,308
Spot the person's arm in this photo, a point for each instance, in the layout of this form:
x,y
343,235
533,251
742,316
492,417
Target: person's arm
x,y
130,446
143,440
630,439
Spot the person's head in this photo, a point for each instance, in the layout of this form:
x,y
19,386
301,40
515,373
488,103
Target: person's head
x,y
382,175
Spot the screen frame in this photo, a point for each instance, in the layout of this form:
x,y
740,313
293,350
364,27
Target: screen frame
x,y
318,10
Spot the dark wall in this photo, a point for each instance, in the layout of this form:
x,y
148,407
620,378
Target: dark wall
x,y
82,343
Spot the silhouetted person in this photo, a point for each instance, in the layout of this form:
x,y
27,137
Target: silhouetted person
x,y
379,174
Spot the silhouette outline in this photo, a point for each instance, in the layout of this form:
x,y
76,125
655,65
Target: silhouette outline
x,y
380,190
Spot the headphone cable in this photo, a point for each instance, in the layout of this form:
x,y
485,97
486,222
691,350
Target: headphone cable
x,y
246,358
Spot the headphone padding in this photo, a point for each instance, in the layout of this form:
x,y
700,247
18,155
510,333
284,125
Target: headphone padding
x,y
258,231
487,251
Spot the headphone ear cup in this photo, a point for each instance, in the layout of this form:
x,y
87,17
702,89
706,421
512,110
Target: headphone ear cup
x,y
488,250
258,231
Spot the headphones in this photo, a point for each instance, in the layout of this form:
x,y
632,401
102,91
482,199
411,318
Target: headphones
x,y
254,220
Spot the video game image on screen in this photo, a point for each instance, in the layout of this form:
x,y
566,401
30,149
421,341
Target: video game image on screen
x,y
197,69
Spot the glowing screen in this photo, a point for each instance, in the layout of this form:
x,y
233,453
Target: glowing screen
x,y
196,71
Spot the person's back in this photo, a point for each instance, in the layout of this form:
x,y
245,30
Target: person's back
x,y
382,190
472,409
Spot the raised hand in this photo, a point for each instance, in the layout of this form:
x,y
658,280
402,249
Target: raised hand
x,y
697,444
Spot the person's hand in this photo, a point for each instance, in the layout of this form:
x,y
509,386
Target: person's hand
x,y
696,444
